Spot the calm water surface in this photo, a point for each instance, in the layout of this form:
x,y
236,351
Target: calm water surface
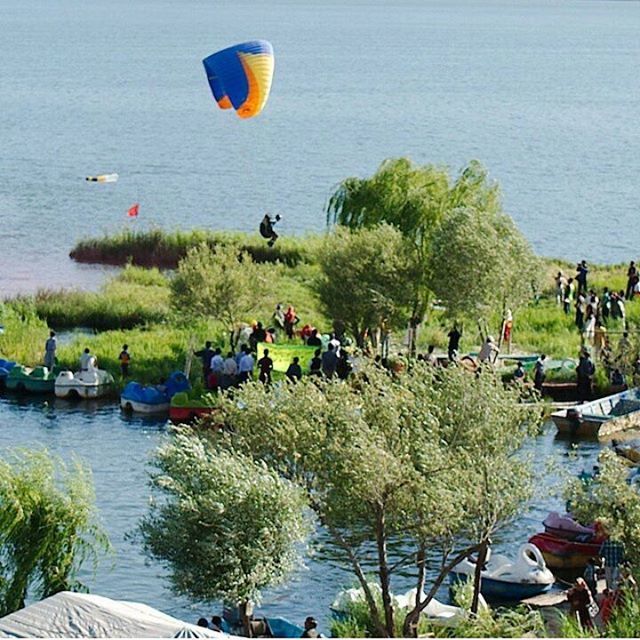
x,y
545,94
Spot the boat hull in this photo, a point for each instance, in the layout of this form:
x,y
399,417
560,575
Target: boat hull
x,y
143,407
560,553
185,415
600,418
499,590
30,386
82,391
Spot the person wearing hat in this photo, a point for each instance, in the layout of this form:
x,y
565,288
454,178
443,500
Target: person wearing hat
x,y
310,628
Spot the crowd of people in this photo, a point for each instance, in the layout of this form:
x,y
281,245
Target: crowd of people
x,y
260,627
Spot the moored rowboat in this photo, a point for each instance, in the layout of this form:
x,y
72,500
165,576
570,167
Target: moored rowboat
x,y
560,553
600,418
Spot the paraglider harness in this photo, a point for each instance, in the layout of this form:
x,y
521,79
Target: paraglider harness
x,y
266,229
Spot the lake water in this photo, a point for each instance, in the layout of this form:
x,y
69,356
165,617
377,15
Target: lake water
x,y
545,94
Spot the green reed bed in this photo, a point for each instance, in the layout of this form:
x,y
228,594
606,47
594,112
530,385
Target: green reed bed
x,y
164,249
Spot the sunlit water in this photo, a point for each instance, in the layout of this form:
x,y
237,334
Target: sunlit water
x,y
117,449
544,93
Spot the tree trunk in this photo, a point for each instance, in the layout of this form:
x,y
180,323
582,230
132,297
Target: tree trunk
x,y
244,609
477,578
362,579
383,568
444,572
412,619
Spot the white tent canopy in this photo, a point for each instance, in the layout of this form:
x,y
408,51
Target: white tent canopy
x,y
81,615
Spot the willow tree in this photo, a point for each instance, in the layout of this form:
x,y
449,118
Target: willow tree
x,y
481,263
48,527
223,283
414,199
367,277
397,469
226,526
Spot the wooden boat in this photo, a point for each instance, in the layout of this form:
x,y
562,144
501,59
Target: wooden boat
x,y
503,579
600,418
38,380
560,553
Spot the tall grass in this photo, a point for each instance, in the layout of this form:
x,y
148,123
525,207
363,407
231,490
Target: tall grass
x,y
164,249
24,334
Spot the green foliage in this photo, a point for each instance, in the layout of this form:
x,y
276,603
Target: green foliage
x,y
411,198
228,527
480,263
155,352
424,458
24,333
368,277
610,499
48,527
220,283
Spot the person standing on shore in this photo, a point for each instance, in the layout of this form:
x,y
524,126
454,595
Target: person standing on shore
x,y
585,372
246,365
632,280
50,347
265,364
125,359
606,304
581,276
454,342
205,356
569,296
539,372
561,288
581,307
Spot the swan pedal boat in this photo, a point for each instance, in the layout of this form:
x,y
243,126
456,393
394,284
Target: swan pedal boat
x,y
600,418
504,579
90,383
437,612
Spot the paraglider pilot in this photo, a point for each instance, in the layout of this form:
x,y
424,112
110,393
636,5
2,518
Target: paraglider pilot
x,y
266,229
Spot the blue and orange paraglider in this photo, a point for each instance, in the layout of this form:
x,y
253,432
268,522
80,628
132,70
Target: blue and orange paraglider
x,y
240,76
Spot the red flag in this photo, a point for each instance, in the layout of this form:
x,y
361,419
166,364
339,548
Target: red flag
x,y
133,211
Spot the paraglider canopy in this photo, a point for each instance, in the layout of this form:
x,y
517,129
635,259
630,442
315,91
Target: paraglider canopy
x,y
240,76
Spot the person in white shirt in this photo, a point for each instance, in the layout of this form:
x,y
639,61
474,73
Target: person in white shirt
x,y
245,369
85,360
488,352
217,362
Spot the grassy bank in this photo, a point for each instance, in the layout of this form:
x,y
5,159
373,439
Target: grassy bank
x,y
165,249
133,298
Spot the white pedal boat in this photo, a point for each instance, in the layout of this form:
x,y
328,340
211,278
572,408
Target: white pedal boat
x,y
505,579
92,383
